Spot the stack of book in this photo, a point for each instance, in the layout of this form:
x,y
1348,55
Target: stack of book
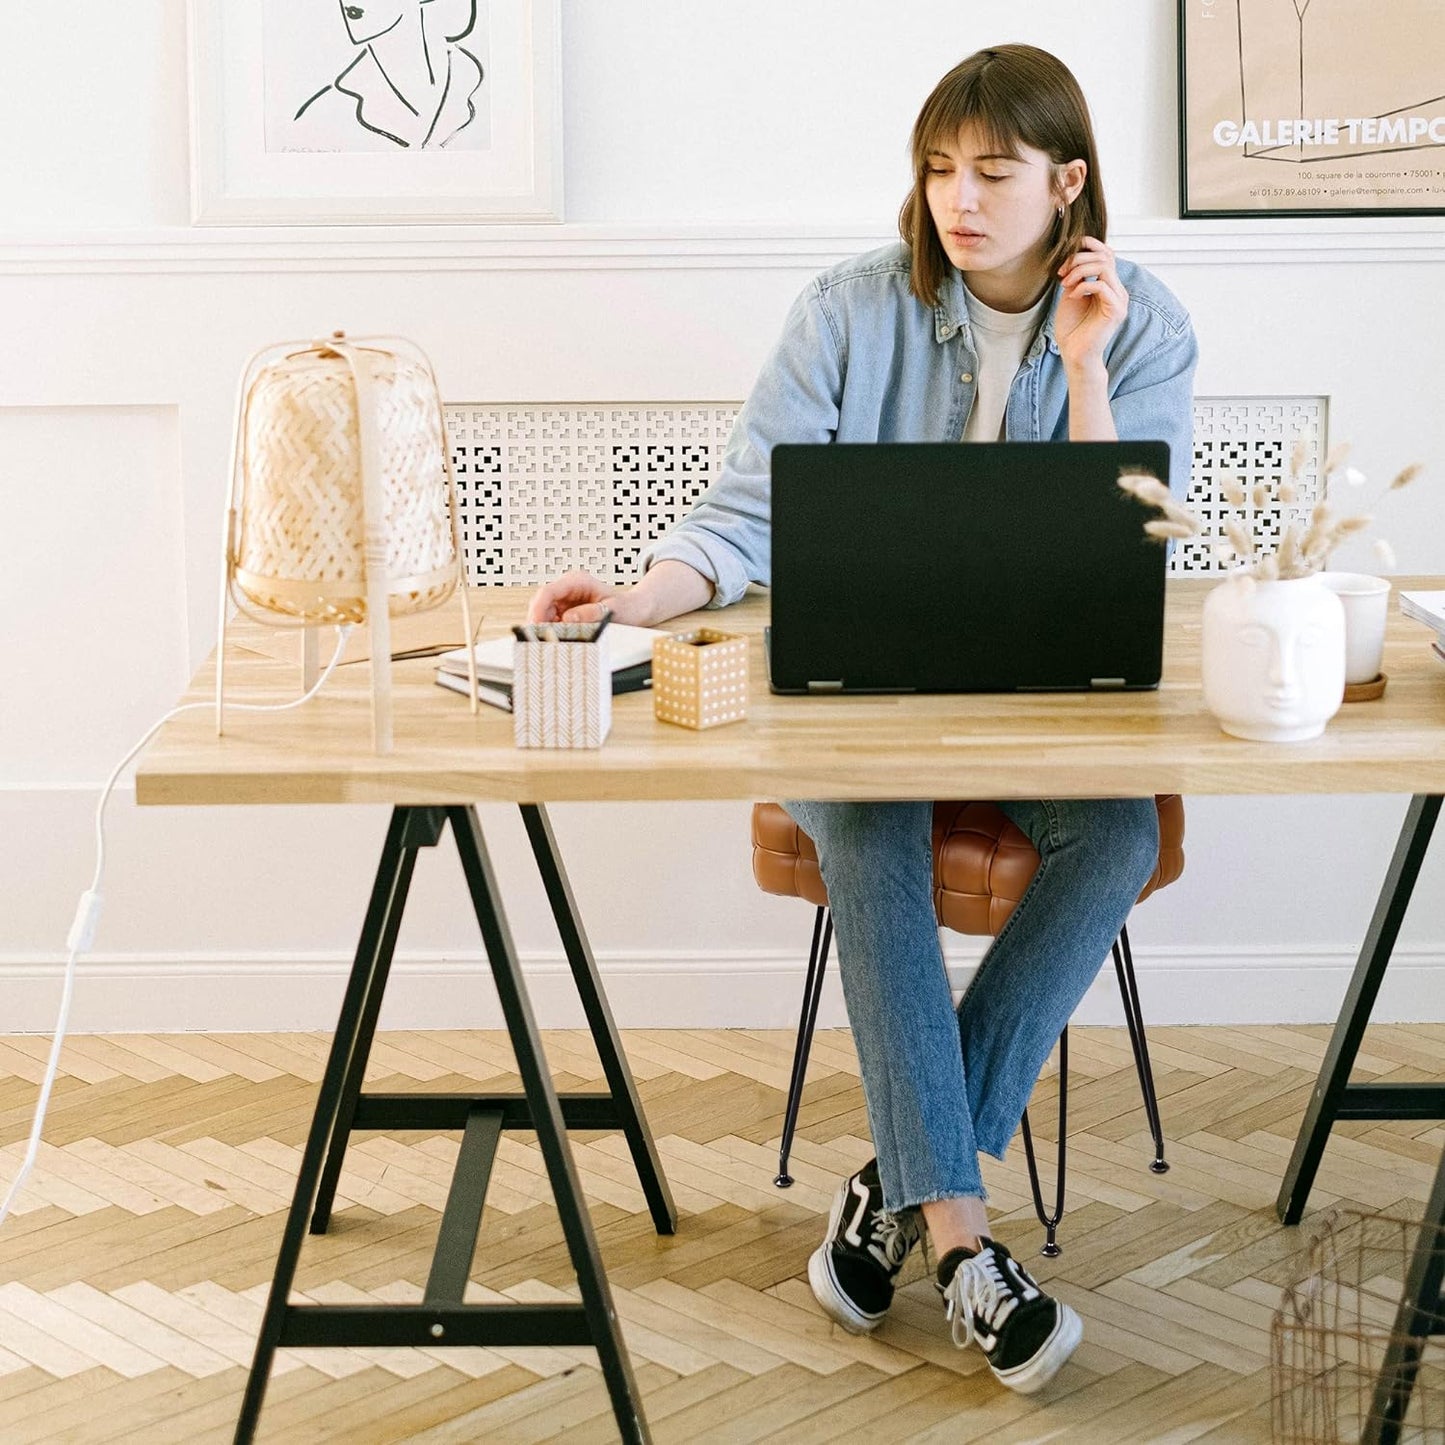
x,y
1429,608
629,652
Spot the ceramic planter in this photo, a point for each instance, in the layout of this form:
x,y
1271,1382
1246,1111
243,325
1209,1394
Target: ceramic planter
x,y
1273,657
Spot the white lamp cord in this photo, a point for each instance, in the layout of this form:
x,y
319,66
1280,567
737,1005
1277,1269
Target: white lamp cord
x,y
87,914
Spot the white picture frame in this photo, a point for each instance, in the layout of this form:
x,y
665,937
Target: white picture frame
x,y
357,151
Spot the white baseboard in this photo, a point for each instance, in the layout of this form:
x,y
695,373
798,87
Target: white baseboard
x,y
128,993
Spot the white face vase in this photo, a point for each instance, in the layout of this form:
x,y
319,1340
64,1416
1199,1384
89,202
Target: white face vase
x,y
1274,658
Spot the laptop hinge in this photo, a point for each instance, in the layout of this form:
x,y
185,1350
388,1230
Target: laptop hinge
x,y
1106,682
826,686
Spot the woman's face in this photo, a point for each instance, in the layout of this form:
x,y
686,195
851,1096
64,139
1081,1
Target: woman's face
x,y
366,19
996,213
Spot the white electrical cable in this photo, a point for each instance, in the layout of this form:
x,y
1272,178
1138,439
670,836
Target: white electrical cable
x,y
87,914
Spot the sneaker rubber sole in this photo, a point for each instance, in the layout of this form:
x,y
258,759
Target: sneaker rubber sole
x,y
1050,1357
829,1294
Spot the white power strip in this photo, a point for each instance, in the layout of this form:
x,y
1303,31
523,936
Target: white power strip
x,y
87,913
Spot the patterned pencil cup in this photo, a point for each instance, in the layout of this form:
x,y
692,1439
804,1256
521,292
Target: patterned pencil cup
x,y
700,679
561,694
342,504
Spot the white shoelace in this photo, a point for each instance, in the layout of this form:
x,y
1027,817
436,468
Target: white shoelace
x,y
978,1287
889,1240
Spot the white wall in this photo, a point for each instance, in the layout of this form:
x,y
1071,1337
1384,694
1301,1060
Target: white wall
x,y
716,156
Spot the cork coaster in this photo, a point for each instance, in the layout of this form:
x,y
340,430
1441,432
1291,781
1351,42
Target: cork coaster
x,y
1367,691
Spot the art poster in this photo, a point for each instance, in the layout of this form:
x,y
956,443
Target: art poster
x,y
375,111
379,75
1312,107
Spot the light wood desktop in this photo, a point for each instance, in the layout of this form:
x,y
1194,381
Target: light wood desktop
x,y
445,760
940,746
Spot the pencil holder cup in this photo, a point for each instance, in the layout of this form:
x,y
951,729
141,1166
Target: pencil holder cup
x,y
561,694
700,679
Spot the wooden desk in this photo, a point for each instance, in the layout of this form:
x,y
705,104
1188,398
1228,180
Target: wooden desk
x,y
952,746
978,746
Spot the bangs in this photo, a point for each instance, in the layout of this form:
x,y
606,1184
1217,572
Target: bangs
x,y
968,104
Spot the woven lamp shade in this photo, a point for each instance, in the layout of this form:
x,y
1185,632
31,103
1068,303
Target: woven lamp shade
x,y
343,505
301,547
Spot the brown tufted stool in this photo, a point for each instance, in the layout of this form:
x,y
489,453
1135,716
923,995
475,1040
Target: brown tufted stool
x,y
982,864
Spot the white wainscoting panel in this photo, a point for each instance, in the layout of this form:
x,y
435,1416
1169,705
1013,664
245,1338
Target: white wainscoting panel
x,y
92,643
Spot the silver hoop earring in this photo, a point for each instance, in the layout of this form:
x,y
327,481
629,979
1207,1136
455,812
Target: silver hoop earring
x,y
1061,211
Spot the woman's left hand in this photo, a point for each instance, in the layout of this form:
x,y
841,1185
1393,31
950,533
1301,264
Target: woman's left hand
x,y
1092,304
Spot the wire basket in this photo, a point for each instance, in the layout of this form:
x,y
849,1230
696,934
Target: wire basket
x,y
1344,1359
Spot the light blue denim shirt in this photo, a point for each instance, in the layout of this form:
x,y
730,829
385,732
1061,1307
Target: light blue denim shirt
x,y
861,359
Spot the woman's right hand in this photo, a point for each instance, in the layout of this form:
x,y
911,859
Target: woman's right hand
x,y
669,589
579,597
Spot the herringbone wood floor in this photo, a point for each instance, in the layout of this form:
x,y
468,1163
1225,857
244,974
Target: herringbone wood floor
x,y
132,1277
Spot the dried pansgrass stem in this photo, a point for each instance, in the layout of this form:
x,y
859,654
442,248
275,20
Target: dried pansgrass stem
x,y
1307,544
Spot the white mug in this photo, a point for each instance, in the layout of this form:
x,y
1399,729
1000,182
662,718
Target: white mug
x,y
1366,600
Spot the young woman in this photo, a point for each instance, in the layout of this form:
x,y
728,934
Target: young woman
x,y
1003,314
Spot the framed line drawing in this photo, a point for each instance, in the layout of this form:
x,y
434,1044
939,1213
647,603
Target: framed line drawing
x,y
375,111
1311,108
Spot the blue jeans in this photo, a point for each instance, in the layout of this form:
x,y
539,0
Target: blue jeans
x,y
942,1083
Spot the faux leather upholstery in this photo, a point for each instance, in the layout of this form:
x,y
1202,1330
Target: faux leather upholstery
x,y
982,863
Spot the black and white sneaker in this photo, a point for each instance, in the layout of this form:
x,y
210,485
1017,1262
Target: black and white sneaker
x,y
991,1299
853,1270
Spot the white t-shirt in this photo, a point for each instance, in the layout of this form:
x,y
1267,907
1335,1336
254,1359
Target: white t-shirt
x,y
1002,339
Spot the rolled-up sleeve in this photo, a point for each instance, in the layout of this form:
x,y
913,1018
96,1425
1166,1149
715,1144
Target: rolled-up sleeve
x,y
1153,397
727,536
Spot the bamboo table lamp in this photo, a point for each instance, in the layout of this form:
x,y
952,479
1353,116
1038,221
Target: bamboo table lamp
x,y
342,504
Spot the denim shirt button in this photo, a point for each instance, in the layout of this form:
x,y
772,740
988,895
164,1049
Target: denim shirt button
x,y
965,376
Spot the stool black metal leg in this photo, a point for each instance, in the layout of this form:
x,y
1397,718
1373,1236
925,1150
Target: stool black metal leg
x,y
1421,1314
387,895
1138,1041
547,1121
1051,1222
812,992
599,1019
1329,1097
421,828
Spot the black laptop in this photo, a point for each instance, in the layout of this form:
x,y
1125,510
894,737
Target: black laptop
x,y
963,567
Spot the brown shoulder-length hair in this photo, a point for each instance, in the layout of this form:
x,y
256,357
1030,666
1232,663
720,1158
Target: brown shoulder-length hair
x,y
1014,95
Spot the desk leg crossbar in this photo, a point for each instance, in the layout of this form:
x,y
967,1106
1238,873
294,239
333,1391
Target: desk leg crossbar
x,y
443,1318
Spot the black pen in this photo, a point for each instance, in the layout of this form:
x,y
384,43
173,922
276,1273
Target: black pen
x,y
602,625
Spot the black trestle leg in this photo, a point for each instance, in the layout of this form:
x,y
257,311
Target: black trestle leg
x,y
1050,1222
1139,1042
1333,1091
601,1316
422,828
807,1020
620,1083
342,1106
378,935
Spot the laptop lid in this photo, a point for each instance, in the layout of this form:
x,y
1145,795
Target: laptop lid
x,y
951,567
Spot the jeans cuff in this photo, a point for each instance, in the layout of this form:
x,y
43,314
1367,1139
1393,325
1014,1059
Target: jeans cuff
x,y
998,1153
937,1196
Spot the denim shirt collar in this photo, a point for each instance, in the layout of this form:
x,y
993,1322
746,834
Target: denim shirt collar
x,y
950,316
